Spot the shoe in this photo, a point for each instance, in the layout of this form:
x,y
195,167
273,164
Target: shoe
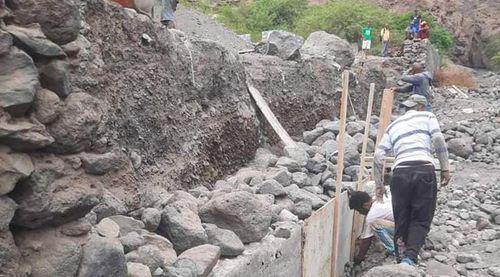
x,y
407,261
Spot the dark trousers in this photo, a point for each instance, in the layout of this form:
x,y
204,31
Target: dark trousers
x,y
414,194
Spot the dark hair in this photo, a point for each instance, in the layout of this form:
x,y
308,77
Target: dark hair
x,y
357,199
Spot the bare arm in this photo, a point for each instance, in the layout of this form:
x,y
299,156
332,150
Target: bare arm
x,y
364,245
439,143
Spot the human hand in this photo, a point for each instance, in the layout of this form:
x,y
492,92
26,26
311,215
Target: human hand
x,y
379,193
445,177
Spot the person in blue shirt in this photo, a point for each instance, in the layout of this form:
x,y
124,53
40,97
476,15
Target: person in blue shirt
x,y
419,82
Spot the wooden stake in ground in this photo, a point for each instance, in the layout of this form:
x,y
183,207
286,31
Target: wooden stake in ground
x,y
385,113
356,224
340,165
273,121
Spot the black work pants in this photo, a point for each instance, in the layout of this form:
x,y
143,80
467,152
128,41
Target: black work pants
x,y
414,195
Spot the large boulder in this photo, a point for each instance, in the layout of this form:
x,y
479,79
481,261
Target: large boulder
x,y
229,243
151,256
247,215
18,82
60,19
320,44
48,106
49,253
9,255
76,127
287,44
205,257
23,134
33,41
53,194
102,257
182,226
13,167
55,76
7,209
461,147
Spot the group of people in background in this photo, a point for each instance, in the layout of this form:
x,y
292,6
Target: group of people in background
x,y
417,29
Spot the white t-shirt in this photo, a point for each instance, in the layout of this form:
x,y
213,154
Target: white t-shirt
x,y
378,210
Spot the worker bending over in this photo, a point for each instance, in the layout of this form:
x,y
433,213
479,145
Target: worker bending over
x,y
412,138
379,222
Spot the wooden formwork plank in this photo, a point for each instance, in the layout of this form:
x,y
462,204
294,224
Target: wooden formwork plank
x,y
344,227
273,121
316,250
385,113
340,168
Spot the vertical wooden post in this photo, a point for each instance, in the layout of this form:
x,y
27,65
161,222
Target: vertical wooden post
x,y
385,113
340,166
359,185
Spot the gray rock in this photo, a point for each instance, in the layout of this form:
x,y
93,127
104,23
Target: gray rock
x,y
320,44
329,184
352,171
10,257
159,241
303,209
102,257
55,76
109,205
489,235
351,154
287,44
328,149
475,266
464,258
137,270
186,268
151,256
18,82
488,208
60,20
300,194
131,241
23,134
127,224
291,165
264,158
229,243
49,253
182,226
76,228
461,147
205,258
76,127
241,212
181,196
271,187
284,229
33,41
316,165
301,179
5,42
494,271
13,168
100,164
286,215
438,269
311,136
281,175
398,270
323,138
45,198
285,203
297,153
332,126
199,191
48,106
314,189
266,48
354,127
108,228
151,218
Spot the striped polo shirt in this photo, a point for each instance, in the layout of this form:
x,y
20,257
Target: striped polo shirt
x,y
410,137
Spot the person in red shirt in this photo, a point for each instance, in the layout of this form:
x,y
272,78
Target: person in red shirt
x,y
424,30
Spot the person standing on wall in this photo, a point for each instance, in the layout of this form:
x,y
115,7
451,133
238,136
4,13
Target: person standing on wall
x,y
366,36
167,15
424,30
419,82
384,39
412,138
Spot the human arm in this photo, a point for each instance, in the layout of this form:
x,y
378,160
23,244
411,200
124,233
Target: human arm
x,y
440,149
383,148
414,79
404,89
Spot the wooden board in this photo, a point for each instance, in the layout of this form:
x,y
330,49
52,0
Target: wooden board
x,y
385,113
273,121
316,250
340,168
344,228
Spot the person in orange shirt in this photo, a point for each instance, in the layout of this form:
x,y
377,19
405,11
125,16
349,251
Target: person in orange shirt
x,y
385,36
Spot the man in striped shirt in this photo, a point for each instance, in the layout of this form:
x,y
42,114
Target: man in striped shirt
x,y
412,138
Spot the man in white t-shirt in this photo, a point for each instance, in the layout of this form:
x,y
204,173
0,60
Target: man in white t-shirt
x,y
379,222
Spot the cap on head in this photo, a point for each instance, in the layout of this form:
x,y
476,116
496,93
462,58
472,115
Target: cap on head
x,y
414,100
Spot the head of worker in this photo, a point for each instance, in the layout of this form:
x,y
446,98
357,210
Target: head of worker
x,y
360,201
415,102
416,68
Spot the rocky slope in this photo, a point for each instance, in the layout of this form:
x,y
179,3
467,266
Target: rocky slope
x,y
473,24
